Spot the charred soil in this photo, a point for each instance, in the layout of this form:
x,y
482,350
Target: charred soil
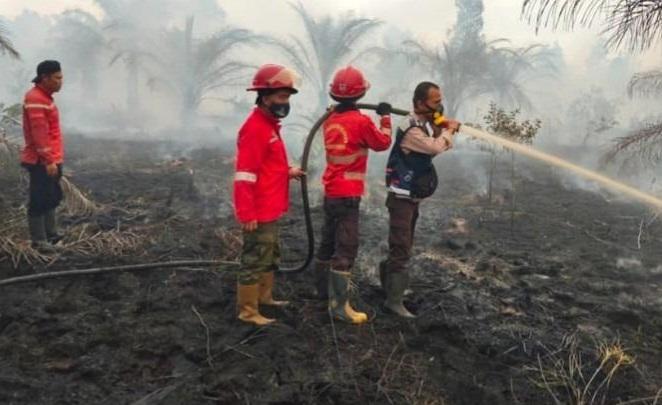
x,y
551,294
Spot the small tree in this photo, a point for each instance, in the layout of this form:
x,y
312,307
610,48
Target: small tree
x,y
508,125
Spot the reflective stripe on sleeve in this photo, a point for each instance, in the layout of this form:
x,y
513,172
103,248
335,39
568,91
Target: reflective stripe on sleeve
x,y
245,176
354,176
399,191
29,106
346,159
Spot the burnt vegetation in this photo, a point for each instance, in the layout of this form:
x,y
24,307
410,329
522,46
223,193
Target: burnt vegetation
x,y
528,289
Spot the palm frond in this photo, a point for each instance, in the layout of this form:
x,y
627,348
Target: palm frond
x,y
6,46
562,13
645,143
646,84
633,24
328,42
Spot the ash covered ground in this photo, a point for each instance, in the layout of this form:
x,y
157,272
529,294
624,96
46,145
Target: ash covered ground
x,y
555,298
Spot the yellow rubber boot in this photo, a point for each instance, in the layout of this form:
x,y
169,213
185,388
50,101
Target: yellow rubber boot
x,y
266,288
247,305
339,306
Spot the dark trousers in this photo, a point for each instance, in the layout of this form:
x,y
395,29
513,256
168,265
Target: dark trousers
x,y
45,193
340,232
403,214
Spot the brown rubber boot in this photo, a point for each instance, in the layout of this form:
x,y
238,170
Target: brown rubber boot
x,y
396,284
339,306
321,274
247,305
266,288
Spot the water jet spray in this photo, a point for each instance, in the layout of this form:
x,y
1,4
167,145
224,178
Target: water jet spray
x,y
528,151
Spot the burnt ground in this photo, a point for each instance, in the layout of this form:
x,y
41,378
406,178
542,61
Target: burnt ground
x,y
555,299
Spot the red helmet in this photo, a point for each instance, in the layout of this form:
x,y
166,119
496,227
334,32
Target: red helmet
x,y
271,76
349,83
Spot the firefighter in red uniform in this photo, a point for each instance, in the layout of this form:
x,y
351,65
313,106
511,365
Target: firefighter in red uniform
x,y
261,190
348,135
43,154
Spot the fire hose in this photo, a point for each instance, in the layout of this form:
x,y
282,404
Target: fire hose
x,y
631,192
305,157
187,265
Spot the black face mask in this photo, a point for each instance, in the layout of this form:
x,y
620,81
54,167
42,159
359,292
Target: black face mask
x,y
280,110
439,109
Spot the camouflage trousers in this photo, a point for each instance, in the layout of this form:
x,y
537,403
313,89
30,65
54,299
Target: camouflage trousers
x,y
260,252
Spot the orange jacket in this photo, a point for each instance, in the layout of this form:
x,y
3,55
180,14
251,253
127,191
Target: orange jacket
x,y
348,135
261,180
41,129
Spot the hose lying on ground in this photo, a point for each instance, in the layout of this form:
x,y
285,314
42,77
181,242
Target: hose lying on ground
x,y
128,267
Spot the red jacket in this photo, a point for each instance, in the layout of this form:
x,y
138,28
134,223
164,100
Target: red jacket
x,y
41,129
261,180
347,137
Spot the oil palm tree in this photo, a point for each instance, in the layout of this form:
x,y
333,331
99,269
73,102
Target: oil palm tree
x,y
634,24
644,144
80,36
131,38
193,69
328,43
509,70
493,68
6,46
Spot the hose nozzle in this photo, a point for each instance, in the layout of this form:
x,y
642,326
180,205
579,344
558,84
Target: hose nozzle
x,y
438,118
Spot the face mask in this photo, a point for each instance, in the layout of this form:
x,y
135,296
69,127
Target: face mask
x,y
280,110
437,114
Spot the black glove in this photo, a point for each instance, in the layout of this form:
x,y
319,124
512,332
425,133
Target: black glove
x,y
384,109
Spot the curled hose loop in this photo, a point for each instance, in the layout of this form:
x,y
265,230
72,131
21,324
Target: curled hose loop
x,y
310,233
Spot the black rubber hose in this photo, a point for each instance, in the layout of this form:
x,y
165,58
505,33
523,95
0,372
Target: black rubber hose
x,y
205,263
129,267
310,233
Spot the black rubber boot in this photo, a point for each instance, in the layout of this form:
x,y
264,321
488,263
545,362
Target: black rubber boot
x,y
396,284
38,234
50,226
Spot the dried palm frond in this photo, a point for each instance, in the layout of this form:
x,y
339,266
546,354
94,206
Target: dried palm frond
x,y
75,201
113,243
9,151
20,252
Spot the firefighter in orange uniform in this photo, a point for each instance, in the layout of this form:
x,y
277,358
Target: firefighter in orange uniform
x,y
261,190
43,155
348,135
